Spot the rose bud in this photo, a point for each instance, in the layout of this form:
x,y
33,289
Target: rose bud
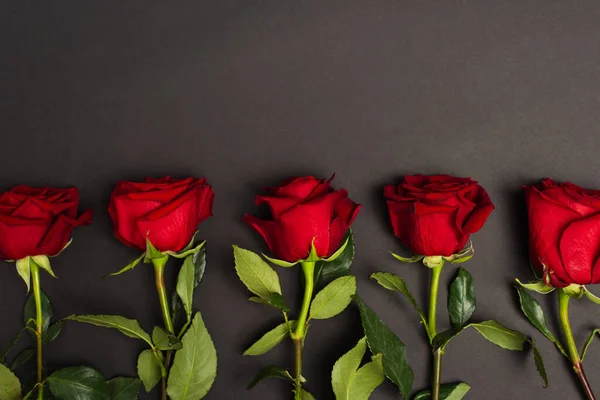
x,y
165,211
305,211
564,232
435,215
38,221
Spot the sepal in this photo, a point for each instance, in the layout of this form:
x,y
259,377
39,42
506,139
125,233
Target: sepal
x,y
338,252
44,263
187,251
412,259
536,286
574,290
463,256
129,266
591,296
24,271
433,261
312,256
281,263
152,253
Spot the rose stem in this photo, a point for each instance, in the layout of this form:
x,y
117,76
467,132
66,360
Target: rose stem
x,y
308,268
39,323
563,307
431,322
159,270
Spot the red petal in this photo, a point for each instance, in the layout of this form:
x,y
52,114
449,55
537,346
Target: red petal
x,y
547,220
580,248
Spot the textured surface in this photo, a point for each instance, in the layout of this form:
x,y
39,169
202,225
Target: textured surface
x,y
249,92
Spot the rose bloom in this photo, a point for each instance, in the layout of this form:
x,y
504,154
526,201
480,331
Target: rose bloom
x,y
564,232
38,221
303,209
165,210
435,215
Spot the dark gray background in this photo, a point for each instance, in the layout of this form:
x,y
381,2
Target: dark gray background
x,y
246,93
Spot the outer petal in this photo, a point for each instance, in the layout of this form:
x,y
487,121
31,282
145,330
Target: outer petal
x,y
434,231
299,188
480,214
547,220
341,223
19,240
59,233
580,249
277,205
276,240
171,227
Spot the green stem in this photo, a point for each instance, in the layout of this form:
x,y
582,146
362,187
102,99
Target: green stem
x,y
563,310
298,335
437,374
432,330
39,324
159,269
159,273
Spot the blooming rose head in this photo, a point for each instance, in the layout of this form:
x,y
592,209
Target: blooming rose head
x,y
167,211
304,210
38,221
434,215
564,232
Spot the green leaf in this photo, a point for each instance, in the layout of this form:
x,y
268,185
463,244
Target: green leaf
x,y
78,383
396,283
44,263
185,285
29,312
461,299
270,339
351,383
24,270
539,362
536,286
148,368
270,372
334,298
411,260
326,272
123,388
128,327
195,365
534,313
588,341
164,340
257,275
275,300
382,340
500,335
129,266
52,332
10,387
307,396
21,359
199,260
448,391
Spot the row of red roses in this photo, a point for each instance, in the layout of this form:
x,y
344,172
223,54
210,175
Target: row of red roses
x,y
39,221
433,216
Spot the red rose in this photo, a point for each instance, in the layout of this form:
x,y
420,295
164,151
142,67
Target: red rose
x,y
434,215
165,210
304,209
38,221
564,232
